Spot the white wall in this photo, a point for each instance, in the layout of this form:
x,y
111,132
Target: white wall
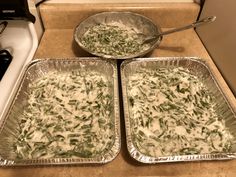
x,y
220,37
38,23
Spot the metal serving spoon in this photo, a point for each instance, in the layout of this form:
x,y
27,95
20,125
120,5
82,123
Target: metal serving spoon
x,y
193,25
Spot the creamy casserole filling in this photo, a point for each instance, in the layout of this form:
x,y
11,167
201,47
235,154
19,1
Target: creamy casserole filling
x,y
173,113
68,115
114,39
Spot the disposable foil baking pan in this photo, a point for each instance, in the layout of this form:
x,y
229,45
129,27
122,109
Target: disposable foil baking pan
x,y
196,67
39,69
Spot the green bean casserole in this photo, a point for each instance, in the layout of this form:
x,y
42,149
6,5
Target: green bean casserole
x,y
173,113
68,115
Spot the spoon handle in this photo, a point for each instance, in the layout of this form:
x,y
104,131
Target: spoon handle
x,y
193,25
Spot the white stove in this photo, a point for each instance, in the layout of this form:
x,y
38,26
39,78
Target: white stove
x,y
20,39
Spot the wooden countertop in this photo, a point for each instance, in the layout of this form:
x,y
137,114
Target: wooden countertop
x,y
59,43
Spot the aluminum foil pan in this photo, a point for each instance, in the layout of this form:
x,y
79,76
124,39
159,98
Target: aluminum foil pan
x,y
23,139
136,24
145,111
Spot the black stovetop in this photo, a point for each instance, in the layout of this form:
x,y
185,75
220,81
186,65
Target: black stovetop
x,y
15,9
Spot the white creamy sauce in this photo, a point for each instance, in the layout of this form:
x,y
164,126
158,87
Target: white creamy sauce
x,y
68,114
114,39
173,113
